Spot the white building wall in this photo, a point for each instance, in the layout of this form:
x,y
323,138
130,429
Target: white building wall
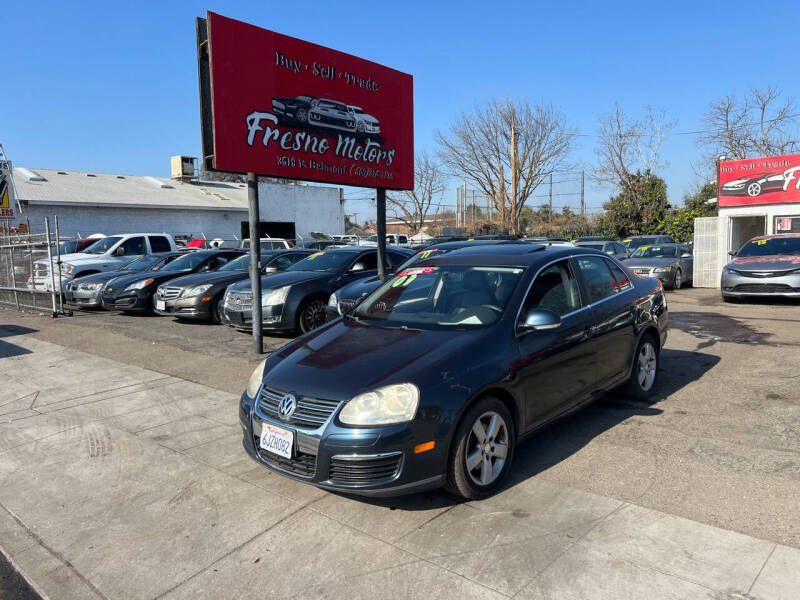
x,y
310,208
73,220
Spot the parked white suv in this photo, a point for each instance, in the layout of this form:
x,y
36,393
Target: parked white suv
x,y
106,254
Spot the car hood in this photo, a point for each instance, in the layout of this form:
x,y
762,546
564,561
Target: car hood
x,y
215,277
102,277
776,262
649,262
157,276
278,280
346,358
74,258
358,288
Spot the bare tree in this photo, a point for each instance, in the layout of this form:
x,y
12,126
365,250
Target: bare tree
x,y
412,206
506,149
760,123
628,148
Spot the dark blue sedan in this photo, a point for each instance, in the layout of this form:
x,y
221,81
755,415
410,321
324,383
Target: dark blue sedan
x,y
434,378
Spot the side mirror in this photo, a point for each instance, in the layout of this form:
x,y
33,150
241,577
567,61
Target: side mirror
x,y
610,252
686,255
270,270
359,266
119,251
732,253
540,319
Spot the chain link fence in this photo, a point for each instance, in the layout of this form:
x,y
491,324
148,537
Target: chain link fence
x,y
26,282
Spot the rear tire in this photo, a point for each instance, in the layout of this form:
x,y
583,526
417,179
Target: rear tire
x,y
677,283
482,450
644,374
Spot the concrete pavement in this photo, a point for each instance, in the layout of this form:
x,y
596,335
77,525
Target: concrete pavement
x,y
118,481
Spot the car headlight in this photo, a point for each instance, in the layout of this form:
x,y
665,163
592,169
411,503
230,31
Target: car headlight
x,y
333,301
395,403
137,285
255,380
197,290
90,287
274,297
663,269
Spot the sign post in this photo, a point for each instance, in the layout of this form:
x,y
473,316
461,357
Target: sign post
x,y
381,227
255,261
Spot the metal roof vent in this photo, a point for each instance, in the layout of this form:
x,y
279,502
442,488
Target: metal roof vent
x,y
61,172
91,175
157,183
30,175
120,177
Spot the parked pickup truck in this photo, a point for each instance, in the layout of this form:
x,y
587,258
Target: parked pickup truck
x,y
107,254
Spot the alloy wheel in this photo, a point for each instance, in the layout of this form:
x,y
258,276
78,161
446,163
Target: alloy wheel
x,y
647,364
754,189
678,280
487,448
313,315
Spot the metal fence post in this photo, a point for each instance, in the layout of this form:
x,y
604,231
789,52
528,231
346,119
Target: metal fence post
x,y
58,262
13,275
50,262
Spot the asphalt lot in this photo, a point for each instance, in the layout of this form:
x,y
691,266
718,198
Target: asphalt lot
x,y
124,429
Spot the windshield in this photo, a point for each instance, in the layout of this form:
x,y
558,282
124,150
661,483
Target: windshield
x,y
187,262
769,246
442,297
241,263
331,262
144,263
67,247
655,252
636,242
102,246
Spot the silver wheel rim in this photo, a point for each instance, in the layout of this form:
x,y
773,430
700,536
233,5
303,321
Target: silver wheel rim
x,y
753,189
647,363
487,448
314,315
678,279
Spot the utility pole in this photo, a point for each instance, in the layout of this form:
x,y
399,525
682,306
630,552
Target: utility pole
x,y
255,261
380,205
514,224
583,198
550,213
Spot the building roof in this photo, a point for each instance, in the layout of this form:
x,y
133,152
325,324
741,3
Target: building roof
x,y
78,188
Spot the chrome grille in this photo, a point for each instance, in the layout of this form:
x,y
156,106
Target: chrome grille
x,y
642,271
310,412
763,274
169,293
238,301
40,270
356,470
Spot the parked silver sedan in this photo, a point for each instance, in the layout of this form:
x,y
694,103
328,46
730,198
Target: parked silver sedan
x,y
767,265
671,263
612,248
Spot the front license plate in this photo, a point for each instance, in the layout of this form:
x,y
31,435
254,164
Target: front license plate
x,y
161,305
277,440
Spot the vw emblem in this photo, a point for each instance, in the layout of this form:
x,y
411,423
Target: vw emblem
x,y
287,406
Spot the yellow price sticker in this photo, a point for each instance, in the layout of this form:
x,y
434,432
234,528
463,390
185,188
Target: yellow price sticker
x,y
315,255
760,242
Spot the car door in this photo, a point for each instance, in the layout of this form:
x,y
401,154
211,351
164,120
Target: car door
x,y
687,263
556,368
611,297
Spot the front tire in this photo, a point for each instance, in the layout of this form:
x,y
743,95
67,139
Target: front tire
x,y
645,368
216,310
311,315
482,450
677,283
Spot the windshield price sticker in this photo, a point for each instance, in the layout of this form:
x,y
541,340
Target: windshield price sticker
x,y
760,242
419,271
315,255
427,253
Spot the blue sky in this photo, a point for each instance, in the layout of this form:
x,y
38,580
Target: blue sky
x,y
112,87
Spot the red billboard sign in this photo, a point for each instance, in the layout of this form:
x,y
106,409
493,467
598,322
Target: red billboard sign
x,y
280,106
770,180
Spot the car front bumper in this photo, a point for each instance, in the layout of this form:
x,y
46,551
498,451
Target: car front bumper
x,y
192,307
273,318
130,301
735,285
667,278
375,462
84,298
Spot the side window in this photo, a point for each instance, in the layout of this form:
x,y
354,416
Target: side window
x,y
622,280
215,263
282,262
683,250
597,276
403,239
369,260
134,246
555,288
619,248
158,243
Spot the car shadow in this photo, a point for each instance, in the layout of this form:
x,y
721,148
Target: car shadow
x,y
563,438
12,330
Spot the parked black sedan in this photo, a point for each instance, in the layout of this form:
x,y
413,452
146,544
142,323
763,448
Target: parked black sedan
x,y
346,298
295,300
199,296
134,293
436,375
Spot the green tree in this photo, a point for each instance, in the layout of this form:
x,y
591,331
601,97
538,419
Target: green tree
x,y
680,224
638,209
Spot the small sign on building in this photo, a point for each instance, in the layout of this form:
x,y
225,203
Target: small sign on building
x,y
6,191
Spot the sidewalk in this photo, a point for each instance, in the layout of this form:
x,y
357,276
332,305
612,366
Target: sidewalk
x,y
121,482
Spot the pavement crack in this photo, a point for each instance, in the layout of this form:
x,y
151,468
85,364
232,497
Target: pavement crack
x,y
761,570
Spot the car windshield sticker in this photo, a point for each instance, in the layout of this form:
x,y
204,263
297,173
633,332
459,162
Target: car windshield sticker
x,y
427,253
315,255
760,242
404,281
417,271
